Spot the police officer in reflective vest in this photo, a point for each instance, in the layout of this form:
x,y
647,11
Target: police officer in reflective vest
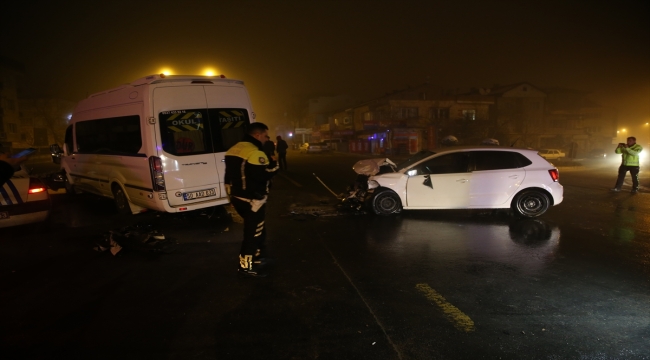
x,y
629,162
248,172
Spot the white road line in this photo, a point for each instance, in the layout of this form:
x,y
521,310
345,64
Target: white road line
x,y
289,180
381,326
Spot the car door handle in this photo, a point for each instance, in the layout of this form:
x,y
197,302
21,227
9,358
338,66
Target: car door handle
x,y
513,176
462,180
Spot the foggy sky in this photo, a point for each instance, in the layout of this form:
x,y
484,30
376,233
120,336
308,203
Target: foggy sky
x,y
285,50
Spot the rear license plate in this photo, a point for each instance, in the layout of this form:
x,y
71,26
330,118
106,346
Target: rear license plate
x,y
199,194
4,215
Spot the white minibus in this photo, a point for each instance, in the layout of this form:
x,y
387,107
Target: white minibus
x,y
157,143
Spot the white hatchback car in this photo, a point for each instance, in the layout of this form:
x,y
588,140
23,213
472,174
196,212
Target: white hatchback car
x,y
23,200
478,177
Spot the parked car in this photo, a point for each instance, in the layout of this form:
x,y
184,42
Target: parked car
x,y
318,147
477,177
23,200
552,154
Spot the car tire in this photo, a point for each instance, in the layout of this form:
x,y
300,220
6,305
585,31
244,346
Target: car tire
x,y
386,202
69,188
121,202
531,203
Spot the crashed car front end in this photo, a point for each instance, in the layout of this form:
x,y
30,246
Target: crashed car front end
x,y
358,192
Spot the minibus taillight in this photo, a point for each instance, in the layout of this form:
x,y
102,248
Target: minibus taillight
x,y
157,173
555,174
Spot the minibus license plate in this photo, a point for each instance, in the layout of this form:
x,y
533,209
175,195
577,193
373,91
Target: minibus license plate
x,y
199,194
4,214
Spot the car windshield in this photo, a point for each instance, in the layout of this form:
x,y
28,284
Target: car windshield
x,y
413,159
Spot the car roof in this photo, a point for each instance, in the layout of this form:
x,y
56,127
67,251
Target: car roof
x,y
483,148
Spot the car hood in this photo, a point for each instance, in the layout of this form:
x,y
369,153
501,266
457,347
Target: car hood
x,y
371,167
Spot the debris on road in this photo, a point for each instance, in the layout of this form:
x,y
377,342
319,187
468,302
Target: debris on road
x,y
139,238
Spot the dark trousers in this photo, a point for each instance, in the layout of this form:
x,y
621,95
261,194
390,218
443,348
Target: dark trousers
x,y
282,160
254,230
634,171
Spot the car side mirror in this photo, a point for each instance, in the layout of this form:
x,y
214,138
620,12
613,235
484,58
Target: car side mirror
x,y
56,152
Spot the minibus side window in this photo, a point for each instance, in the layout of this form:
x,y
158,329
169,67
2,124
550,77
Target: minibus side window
x,y
110,136
68,143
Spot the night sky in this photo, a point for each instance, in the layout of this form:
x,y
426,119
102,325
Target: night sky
x,y
288,50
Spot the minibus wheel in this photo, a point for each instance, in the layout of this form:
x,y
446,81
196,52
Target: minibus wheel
x,y
69,188
121,202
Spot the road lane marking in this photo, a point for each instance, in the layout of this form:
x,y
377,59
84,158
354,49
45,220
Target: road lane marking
x,y
454,315
289,180
377,321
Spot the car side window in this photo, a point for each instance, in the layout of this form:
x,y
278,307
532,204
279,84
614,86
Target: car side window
x,y
497,160
445,164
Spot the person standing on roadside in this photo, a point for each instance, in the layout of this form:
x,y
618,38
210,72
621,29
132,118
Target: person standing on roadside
x,y
629,162
282,147
269,148
248,173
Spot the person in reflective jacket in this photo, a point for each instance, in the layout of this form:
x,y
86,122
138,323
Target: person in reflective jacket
x,y
629,162
248,173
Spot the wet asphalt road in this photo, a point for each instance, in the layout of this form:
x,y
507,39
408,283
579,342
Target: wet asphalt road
x,y
574,284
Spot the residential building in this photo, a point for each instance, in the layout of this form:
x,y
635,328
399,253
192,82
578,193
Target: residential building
x,y
10,71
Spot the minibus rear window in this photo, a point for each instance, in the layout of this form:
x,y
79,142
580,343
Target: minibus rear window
x,y
201,131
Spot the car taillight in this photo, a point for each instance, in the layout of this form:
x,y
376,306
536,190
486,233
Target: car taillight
x,y
555,174
36,186
157,178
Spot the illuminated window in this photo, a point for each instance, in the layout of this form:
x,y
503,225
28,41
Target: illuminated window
x,y
469,114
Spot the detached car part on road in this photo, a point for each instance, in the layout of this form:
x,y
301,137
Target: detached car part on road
x,y
23,200
480,177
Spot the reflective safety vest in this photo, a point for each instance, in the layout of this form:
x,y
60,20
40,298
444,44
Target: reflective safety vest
x,y
248,169
629,155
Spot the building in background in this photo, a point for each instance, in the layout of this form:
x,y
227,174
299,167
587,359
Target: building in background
x,y
29,122
417,118
10,72
42,122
